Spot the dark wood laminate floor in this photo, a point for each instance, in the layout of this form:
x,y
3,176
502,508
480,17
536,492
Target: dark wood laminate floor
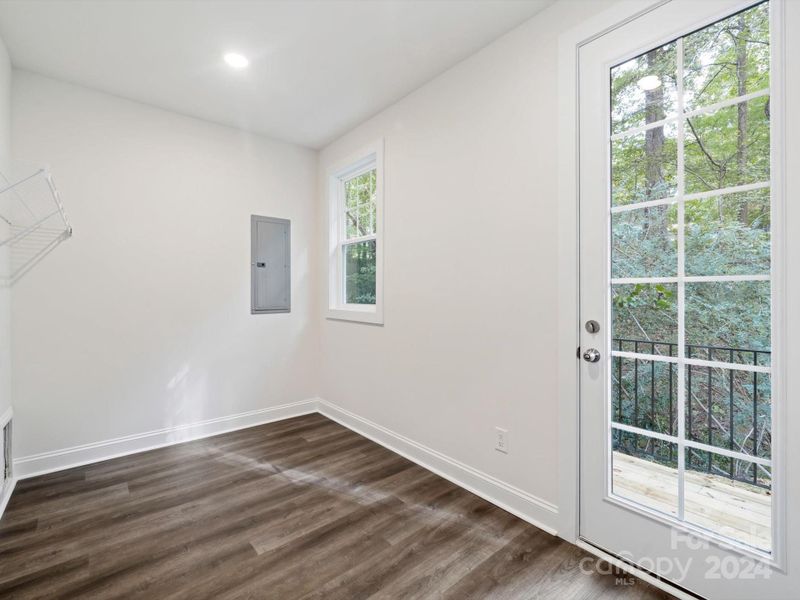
x,y
302,508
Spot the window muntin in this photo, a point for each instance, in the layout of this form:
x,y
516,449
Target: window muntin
x,y
691,272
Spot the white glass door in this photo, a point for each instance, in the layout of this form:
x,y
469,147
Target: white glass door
x,y
681,254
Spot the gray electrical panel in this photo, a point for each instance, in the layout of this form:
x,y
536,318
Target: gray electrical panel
x,y
270,268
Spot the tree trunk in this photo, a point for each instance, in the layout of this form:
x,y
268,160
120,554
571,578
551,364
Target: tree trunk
x,y
741,90
654,138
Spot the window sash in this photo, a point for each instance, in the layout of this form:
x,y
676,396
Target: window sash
x,y
343,211
341,259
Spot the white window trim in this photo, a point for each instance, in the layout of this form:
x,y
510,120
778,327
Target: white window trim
x,y
368,158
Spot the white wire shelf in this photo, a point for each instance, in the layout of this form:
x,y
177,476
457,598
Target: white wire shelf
x,y
32,223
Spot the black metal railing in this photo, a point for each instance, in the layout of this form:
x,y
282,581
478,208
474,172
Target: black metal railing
x,y
726,408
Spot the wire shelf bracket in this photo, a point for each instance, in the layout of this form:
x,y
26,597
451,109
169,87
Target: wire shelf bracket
x,y
32,223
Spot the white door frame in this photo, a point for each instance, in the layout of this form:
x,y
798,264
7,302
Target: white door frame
x,y
568,240
568,253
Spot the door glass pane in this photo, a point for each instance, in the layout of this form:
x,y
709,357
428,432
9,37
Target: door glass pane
x,y
728,147
645,312
691,335
729,496
733,315
729,235
729,409
728,59
644,392
644,470
643,89
644,165
644,242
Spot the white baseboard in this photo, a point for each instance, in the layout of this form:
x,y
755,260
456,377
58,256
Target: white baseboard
x,y
528,507
58,460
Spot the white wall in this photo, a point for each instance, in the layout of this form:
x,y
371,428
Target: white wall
x,y
470,334
5,294
142,320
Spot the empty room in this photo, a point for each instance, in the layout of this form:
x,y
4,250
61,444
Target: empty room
x,y
399,299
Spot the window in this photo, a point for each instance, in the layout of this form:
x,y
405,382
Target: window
x,y
691,272
355,197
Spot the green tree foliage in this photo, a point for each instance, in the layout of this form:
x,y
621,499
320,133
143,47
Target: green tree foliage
x,y
360,256
728,234
360,273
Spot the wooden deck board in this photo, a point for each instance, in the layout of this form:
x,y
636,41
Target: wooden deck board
x,y
736,509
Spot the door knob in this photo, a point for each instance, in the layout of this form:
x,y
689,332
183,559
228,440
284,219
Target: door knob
x,y
591,355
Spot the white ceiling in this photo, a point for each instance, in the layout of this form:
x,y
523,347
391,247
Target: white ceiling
x,y
317,67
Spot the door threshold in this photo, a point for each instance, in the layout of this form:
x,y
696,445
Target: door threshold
x,y
629,567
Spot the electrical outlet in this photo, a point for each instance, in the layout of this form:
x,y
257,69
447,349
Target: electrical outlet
x,y
501,440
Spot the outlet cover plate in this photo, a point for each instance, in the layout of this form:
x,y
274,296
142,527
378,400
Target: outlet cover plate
x,y
501,440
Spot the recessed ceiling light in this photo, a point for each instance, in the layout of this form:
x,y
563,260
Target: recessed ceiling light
x,y
236,61
649,82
